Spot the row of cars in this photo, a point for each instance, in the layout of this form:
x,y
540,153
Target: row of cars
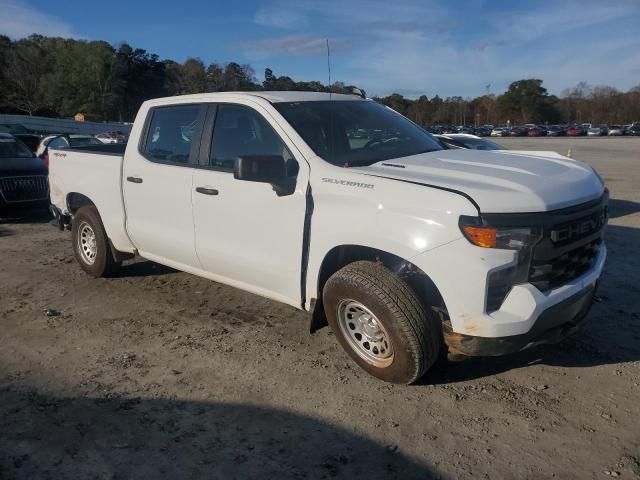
x,y
76,141
24,162
532,130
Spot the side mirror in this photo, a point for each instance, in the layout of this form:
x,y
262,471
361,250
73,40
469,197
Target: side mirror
x,y
265,169
260,168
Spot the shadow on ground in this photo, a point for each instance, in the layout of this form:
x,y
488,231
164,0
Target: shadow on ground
x,y
144,268
23,216
620,208
46,437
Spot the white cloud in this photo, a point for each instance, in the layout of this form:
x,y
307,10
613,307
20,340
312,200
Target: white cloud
x,y
424,46
280,18
19,20
292,45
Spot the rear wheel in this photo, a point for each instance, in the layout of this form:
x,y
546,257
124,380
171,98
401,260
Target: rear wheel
x,y
91,245
381,323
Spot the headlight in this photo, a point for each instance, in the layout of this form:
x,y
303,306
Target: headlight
x,y
511,238
522,239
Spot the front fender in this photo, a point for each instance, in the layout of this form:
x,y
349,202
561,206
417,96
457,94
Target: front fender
x,y
399,218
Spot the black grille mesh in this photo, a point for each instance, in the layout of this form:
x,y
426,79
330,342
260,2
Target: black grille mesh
x,y
24,189
557,271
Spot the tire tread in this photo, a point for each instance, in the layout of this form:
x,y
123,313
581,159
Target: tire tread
x,y
417,324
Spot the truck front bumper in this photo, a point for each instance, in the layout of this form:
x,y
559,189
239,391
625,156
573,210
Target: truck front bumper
x,y
552,326
527,315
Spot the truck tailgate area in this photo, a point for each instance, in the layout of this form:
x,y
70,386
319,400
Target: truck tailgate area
x,y
78,176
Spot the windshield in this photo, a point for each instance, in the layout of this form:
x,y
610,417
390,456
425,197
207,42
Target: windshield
x,y
11,148
356,133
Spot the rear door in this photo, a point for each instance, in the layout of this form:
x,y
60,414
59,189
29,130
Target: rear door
x,y
246,234
157,184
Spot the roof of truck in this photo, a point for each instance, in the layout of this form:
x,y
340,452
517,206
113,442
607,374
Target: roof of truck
x,y
274,97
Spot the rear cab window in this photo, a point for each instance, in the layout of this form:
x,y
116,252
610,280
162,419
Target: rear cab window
x,y
172,134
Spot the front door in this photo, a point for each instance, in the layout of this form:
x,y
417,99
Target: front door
x,y
246,234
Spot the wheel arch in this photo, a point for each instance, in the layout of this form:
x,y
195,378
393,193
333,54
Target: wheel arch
x,y
342,255
75,201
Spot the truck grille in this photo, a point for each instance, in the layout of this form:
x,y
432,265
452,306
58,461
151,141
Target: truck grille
x,y
568,250
24,189
557,271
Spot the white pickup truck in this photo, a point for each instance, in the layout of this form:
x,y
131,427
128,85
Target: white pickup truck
x,y
341,207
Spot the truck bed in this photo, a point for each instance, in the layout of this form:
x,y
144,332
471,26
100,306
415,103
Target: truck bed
x,y
95,173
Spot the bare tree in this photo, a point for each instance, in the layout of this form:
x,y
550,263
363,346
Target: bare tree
x,y
26,65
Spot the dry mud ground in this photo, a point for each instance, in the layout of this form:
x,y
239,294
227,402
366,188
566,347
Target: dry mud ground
x,y
159,374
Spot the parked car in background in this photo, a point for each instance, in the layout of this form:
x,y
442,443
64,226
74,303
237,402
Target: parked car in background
x,y
31,140
463,140
66,141
466,129
518,132
112,137
617,130
536,132
483,132
500,132
634,129
23,177
556,131
43,144
598,131
575,131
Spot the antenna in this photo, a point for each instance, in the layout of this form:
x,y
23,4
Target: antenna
x,y
329,66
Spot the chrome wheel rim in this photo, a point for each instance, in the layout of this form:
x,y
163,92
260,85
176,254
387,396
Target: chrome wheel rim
x,y
87,243
365,333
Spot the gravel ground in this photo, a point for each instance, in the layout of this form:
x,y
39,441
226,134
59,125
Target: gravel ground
x,y
159,374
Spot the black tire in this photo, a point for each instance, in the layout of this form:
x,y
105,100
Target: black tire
x,y
415,332
104,264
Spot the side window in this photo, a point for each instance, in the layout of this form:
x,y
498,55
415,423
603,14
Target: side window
x,y
241,131
59,142
170,134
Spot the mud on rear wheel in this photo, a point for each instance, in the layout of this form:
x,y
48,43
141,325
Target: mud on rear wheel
x,y
381,323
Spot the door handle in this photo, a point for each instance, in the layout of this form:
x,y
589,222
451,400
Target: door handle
x,y
207,191
134,179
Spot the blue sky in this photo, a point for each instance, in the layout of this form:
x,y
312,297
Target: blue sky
x,y
413,47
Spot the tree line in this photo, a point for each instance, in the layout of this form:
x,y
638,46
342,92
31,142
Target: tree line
x,y
60,77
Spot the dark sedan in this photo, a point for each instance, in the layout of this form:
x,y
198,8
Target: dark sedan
x,y
634,129
23,177
556,131
575,131
536,132
518,132
473,142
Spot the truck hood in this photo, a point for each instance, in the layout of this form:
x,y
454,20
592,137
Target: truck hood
x,y
499,181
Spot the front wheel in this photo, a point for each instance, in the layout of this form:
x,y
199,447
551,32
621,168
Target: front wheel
x,y
381,323
91,244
